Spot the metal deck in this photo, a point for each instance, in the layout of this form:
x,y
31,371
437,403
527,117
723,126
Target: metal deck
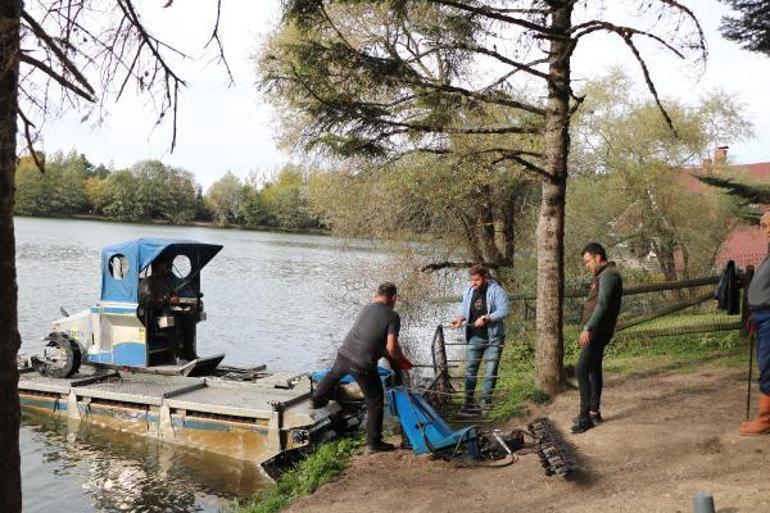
x,y
257,400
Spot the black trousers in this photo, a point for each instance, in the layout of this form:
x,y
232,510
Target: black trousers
x,y
589,373
369,380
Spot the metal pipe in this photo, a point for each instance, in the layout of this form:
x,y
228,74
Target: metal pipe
x,y
703,502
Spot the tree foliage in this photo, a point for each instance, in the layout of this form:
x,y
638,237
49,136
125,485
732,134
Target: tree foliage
x,y
625,154
749,26
58,191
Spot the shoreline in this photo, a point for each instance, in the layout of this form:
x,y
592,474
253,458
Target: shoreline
x,y
193,224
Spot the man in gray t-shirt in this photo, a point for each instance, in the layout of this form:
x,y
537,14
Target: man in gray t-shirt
x,y
374,335
367,340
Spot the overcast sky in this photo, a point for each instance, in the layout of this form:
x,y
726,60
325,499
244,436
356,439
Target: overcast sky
x,y
225,128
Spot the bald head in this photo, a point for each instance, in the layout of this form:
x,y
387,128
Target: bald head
x,y
764,223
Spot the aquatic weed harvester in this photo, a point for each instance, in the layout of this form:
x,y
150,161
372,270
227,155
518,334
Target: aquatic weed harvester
x,y
137,370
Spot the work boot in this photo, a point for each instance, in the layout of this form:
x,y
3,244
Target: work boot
x,y
379,447
761,424
582,424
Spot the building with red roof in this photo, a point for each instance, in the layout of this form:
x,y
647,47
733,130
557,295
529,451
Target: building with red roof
x,y
745,244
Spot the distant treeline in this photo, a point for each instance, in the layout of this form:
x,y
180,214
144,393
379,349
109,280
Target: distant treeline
x,y
151,191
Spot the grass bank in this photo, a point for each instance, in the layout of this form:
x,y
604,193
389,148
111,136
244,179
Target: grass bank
x,y
681,353
325,464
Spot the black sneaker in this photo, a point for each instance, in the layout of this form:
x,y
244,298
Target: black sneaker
x,y
596,417
581,425
379,447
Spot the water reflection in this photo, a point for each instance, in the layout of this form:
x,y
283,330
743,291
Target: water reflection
x,y
122,472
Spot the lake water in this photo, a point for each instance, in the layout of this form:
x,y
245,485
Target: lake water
x,y
284,300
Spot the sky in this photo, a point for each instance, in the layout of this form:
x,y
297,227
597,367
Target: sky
x,y
232,128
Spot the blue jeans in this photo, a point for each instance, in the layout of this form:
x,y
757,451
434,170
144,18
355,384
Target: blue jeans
x,y
481,350
761,320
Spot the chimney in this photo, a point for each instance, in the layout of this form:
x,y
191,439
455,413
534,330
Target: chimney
x,y
706,167
720,157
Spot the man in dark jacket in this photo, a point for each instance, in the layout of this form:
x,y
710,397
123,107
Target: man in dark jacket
x,y
374,335
759,304
600,314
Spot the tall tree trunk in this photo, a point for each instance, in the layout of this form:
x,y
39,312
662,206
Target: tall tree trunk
x,y
550,226
509,229
472,238
10,472
487,218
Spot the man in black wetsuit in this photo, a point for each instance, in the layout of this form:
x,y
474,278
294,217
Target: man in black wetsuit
x,y
374,335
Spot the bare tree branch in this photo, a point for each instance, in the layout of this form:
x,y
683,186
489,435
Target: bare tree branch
x,y
49,42
56,76
496,15
28,136
597,25
215,38
650,83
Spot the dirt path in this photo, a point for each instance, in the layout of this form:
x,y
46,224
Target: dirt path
x,y
665,437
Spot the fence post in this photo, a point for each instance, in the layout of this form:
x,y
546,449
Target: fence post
x,y
748,275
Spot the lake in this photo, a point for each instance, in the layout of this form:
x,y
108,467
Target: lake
x,y
285,300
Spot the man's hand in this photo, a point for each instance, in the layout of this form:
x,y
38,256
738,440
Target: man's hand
x,y
585,339
481,321
173,300
457,322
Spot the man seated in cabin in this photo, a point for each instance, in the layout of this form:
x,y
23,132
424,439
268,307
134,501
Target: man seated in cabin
x,y
374,335
156,292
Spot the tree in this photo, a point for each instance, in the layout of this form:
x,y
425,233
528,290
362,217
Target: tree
x,y
750,26
58,192
381,79
286,200
223,199
252,210
122,202
164,192
63,44
625,152
421,197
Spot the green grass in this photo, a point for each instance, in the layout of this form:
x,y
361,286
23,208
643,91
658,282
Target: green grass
x,y
632,355
322,466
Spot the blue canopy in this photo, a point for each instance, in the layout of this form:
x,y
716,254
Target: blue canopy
x,y
123,262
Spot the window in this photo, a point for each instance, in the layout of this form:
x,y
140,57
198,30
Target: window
x,y
181,266
118,265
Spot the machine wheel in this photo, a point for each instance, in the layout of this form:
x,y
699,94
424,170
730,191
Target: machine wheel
x,y
61,356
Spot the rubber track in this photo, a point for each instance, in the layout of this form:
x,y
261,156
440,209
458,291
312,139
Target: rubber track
x,y
555,454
